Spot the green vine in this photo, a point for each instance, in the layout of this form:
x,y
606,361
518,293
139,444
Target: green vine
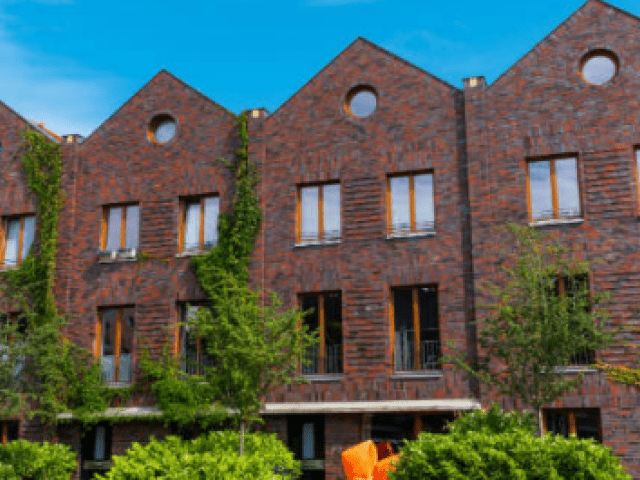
x,y
45,374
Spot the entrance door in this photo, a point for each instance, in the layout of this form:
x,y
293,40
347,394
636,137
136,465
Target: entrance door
x,y
306,440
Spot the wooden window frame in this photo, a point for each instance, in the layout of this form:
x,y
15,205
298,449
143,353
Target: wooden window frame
x,y
123,224
412,202
555,203
322,333
5,227
320,238
636,152
118,339
415,306
4,430
562,288
184,205
571,419
180,339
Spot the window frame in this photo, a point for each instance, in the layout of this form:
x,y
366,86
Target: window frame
x,y
5,227
415,311
413,230
571,419
98,347
553,180
184,206
562,282
180,339
321,233
104,230
4,431
322,332
636,152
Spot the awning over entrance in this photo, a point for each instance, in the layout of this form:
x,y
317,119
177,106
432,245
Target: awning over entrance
x,y
371,407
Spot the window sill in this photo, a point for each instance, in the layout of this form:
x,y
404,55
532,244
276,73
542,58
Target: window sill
x,y
118,384
191,253
323,377
113,256
117,260
556,221
416,375
426,233
575,369
317,243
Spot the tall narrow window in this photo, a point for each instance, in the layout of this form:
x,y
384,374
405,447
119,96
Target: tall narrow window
x,y
576,291
193,348
114,343
582,423
416,329
120,229
553,189
199,224
325,317
319,213
410,203
19,233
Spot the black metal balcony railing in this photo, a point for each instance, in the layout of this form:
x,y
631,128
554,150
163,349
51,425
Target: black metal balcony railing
x,y
324,236
400,228
405,358
332,361
586,357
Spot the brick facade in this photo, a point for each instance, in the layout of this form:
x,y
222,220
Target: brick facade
x,y
475,143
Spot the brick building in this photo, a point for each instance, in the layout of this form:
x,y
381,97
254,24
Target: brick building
x,y
382,188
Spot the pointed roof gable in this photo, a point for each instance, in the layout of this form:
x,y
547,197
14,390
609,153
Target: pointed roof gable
x,y
163,76
54,137
363,43
562,30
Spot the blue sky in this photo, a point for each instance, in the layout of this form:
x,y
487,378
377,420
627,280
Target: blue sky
x,y
72,63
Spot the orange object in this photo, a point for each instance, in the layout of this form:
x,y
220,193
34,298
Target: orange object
x,y
384,450
359,461
383,466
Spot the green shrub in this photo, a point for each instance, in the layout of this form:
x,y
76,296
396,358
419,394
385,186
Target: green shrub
x,y
511,455
25,460
212,457
494,420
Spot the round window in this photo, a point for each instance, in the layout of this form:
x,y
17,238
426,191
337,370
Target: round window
x,y
361,102
599,67
162,128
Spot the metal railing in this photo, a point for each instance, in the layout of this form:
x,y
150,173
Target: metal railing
x,y
332,361
405,358
586,357
324,236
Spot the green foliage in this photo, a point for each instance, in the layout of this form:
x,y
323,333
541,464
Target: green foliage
x,y
22,459
530,330
513,454
211,457
56,375
493,421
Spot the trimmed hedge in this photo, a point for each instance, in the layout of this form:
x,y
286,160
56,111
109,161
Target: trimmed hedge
x,y
25,460
212,457
500,446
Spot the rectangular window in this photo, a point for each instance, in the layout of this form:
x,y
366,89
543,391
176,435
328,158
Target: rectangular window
x,y
199,223
553,189
576,289
415,328
410,203
13,328
120,229
319,213
324,317
95,450
19,233
582,423
8,431
114,343
192,347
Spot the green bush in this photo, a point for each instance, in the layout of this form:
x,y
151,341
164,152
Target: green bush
x,y
511,455
494,420
212,457
25,460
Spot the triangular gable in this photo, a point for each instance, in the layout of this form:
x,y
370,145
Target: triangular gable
x,y
31,123
360,41
559,32
158,77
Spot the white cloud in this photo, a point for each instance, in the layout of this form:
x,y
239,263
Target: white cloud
x,y
53,90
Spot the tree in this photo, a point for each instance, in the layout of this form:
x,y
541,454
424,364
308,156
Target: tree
x,y
541,316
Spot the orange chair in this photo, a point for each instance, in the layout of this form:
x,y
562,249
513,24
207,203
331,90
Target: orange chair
x,y
385,449
359,461
383,466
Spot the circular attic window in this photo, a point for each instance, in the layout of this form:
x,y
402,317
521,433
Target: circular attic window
x,y
599,66
361,101
162,128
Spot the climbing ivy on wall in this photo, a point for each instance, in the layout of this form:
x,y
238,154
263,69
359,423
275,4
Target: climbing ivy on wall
x,y
43,374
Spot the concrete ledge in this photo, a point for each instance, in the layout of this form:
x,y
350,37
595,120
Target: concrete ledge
x,y
371,407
